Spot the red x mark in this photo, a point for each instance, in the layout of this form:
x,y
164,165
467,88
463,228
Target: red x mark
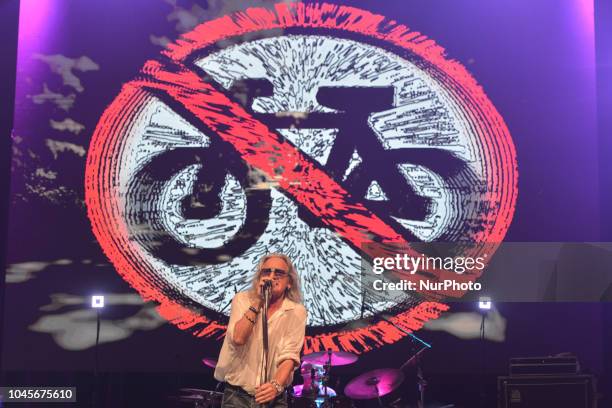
x,y
272,154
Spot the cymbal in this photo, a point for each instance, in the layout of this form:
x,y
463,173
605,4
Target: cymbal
x,y
298,392
338,358
314,371
190,398
200,392
210,362
198,396
373,384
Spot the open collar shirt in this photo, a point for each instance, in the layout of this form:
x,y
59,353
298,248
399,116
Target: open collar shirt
x,y
242,365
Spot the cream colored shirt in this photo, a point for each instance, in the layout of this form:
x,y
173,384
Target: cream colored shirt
x,y
242,366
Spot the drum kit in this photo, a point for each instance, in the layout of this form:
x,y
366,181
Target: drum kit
x,y
366,389
316,372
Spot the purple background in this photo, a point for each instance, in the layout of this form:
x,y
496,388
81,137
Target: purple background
x,y
535,60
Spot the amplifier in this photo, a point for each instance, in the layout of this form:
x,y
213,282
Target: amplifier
x,y
569,391
543,365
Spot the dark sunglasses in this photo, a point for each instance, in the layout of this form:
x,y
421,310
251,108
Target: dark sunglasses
x,y
278,273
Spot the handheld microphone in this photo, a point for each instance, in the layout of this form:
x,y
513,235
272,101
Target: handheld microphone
x,y
266,287
266,291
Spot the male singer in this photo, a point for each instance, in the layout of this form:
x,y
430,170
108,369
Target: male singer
x,y
241,364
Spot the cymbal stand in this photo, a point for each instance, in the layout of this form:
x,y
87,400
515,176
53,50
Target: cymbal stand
x,y
422,383
374,382
326,376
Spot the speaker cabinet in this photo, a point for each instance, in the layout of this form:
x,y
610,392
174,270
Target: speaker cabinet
x,y
569,391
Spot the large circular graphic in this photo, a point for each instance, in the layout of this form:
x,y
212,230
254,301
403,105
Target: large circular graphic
x,y
342,128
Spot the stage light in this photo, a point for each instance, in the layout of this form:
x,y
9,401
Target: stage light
x,y
97,301
484,303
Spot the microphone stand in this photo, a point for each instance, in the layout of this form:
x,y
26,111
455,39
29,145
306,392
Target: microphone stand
x,y
264,327
422,383
96,364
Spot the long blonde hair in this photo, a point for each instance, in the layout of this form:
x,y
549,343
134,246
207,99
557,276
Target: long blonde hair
x,y
293,293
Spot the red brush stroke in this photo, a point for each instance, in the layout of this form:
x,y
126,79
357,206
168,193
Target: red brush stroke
x,y
365,339
348,217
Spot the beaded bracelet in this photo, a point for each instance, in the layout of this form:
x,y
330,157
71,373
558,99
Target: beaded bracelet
x,y
249,319
279,388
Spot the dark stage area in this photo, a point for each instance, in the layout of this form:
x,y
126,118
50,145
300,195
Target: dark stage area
x,y
339,204
460,372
